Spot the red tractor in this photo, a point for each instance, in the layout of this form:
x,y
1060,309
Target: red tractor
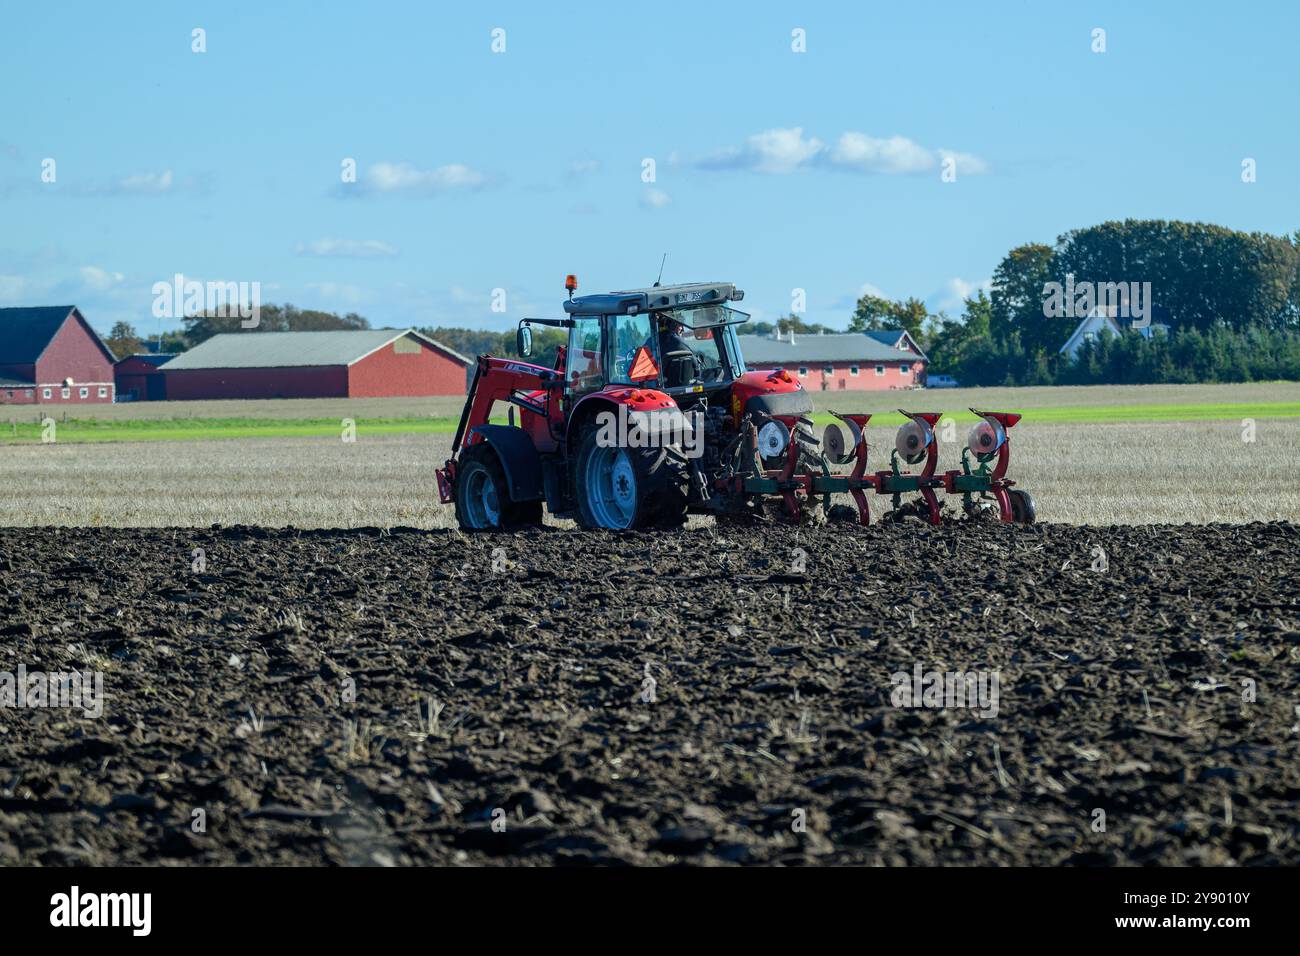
x,y
649,414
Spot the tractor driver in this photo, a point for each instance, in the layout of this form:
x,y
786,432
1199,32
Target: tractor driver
x,y
672,338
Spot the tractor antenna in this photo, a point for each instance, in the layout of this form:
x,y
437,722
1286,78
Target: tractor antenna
x,y
661,270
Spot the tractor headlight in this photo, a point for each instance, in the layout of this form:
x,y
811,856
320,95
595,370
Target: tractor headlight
x,y
772,439
985,439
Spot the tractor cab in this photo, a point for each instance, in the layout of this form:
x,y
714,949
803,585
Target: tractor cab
x,y
678,339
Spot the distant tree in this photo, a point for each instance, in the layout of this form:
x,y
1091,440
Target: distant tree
x,y
475,342
911,316
272,318
1017,300
123,340
785,324
952,341
172,343
872,314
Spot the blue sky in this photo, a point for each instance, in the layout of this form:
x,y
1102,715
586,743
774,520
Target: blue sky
x,y
477,170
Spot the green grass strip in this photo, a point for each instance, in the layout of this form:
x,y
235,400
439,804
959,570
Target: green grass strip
x,y
199,429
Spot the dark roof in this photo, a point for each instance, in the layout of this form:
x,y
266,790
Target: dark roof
x,y
24,333
7,382
887,336
151,358
894,338
811,349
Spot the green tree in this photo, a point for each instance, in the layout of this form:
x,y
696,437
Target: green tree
x,y
872,314
123,340
1017,300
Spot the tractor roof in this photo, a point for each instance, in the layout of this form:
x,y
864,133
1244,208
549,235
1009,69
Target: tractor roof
x,y
680,296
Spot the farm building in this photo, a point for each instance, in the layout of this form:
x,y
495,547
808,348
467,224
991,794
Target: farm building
x,y
1105,319
368,363
841,361
51,355
139,377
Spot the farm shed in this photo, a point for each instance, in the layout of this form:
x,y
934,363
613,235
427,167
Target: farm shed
x,y
840,362
49,355
139,377
368,363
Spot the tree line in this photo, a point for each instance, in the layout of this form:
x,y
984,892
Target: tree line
x,y
1231,301
125,340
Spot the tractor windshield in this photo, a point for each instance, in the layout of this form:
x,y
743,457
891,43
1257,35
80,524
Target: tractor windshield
x,y
707,333
691,348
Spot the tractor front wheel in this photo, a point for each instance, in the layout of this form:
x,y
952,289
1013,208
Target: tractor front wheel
x,y
483,496
624,488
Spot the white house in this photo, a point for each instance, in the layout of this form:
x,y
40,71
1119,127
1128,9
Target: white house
x,y
1098,320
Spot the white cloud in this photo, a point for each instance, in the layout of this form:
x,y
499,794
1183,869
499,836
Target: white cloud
x,y
100,280
145,183
581,167
967,165
347,249
867,154
850,301
655,199
782,151
774,151
406,178
153,183
955,291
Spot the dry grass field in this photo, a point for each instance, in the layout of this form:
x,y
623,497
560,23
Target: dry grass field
x,y
1116,473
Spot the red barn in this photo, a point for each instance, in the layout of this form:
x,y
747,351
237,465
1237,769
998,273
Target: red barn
x,y
51,355
852,361
139,377
367,363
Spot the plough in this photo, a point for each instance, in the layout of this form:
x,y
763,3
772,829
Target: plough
x,y
981,481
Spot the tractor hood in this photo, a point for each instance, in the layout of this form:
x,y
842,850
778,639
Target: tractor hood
x,y
683,296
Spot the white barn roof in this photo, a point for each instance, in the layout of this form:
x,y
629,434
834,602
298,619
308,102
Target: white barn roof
x,y
294,349
813,349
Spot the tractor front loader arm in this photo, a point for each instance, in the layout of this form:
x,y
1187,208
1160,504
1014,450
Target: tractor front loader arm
x,y
498,380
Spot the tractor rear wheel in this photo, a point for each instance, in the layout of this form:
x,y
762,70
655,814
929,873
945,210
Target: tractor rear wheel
x,y
1022,507
624,488
483,495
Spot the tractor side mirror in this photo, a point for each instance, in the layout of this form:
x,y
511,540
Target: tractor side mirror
x,y
524,341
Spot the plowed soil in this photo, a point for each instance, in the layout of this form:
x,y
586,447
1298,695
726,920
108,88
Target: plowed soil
x,y
417,697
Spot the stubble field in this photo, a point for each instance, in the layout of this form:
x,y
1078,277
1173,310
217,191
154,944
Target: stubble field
x,y
1114,473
